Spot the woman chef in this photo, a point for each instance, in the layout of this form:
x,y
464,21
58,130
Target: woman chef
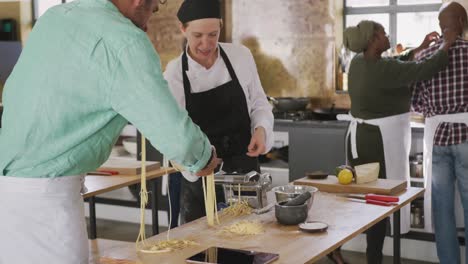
x,y
380,102
219,86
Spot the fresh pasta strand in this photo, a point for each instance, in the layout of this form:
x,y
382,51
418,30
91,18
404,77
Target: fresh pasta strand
x,y
143,196
169,200
244,227
168,246
209,193
239,208
212,255
160,246
215,203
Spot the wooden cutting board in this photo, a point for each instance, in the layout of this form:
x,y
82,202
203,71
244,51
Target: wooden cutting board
x,y
331,184
128,167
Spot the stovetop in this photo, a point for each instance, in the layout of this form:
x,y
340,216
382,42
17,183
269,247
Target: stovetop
x,y
295,115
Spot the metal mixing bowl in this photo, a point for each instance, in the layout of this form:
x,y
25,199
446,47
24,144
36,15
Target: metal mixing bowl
x,y
288,192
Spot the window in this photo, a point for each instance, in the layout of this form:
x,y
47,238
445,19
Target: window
x,y
406,21
41,6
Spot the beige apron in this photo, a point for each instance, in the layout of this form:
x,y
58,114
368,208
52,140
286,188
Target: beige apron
x,y
42,221
396,137
431,125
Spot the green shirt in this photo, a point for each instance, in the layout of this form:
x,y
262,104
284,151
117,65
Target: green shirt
x,y
86,71
381,88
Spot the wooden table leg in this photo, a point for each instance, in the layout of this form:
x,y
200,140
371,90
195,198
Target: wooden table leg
x,y
92,217
396,237
154,206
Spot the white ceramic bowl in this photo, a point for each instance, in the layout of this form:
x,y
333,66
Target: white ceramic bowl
x,y
130,145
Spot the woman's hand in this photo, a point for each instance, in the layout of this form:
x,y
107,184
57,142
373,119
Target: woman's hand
x,y
257,143
430,38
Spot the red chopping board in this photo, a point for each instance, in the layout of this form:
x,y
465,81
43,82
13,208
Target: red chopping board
x,y
128,167
331,184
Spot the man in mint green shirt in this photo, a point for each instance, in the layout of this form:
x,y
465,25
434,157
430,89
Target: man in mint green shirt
x,y
87,69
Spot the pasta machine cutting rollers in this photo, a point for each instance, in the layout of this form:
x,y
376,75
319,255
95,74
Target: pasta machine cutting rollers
x,y
253,187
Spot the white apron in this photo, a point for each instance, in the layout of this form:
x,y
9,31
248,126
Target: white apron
x,y
42,221
430,127
396,138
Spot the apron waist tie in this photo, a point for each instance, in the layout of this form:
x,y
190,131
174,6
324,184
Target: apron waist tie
x,y
431,125
58,186
352,130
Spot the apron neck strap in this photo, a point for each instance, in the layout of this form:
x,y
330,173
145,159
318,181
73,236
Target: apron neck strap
x,y
188,87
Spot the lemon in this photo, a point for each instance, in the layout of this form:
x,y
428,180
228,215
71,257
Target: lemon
x,y
342,167
345,176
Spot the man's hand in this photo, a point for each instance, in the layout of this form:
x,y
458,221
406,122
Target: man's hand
x,y
257,143
211,166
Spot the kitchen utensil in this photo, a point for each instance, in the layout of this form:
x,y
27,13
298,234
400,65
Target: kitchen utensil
x,y
288,192
368,201
290,215
383,198
329,113
331,184
264,209
290,103
301,199
317,175
103,173
253,186
313,227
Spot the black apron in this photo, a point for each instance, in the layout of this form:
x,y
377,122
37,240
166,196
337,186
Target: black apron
x,y
222,114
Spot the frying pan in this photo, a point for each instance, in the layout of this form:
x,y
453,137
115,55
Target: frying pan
x,y
289,104
329,113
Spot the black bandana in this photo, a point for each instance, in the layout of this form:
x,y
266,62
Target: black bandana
x,y
198,9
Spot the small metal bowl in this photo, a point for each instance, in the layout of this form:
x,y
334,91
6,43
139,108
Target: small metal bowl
x,y
291,215
288,192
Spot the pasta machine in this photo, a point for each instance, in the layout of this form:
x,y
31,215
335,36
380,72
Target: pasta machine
x,y
253,187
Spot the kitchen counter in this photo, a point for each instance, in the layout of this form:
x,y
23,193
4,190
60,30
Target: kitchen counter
x,y
345,220
96,185
284,123
320,145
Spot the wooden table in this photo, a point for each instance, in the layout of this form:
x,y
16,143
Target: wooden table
x,y
101,247
101,184
346,220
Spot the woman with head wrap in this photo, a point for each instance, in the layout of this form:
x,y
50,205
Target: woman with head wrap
x,y
219,86
380,95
